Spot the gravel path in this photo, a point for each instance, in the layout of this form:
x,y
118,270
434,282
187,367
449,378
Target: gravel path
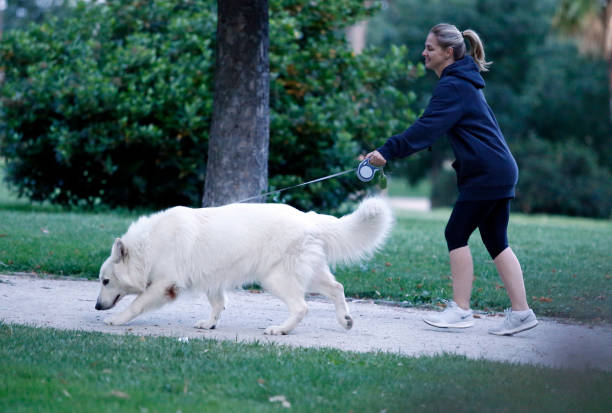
x,y
69,304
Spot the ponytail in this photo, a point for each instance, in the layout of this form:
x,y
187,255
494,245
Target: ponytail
x,y
476,49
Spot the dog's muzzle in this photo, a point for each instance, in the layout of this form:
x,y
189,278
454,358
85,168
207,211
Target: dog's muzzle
x,y
100,306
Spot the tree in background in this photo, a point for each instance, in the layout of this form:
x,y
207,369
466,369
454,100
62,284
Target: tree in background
x,y
591,21
237,166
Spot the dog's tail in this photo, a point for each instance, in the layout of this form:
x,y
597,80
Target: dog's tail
x,y
357,236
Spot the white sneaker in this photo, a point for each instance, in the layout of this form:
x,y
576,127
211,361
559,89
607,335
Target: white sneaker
x,y
515,322
453,316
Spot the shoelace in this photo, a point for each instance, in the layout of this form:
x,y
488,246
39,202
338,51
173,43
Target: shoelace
x,y
507,313
447,303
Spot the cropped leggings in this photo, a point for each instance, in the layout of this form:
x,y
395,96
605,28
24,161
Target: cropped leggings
x,y
490,217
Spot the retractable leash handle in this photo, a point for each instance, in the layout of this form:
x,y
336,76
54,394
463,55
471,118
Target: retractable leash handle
x,y
366,171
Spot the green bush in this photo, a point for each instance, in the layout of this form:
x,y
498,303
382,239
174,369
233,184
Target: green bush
x,y
109,105
112,103
561,178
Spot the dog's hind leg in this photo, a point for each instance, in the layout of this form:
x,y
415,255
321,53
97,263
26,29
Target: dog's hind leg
x,y
156,295
325,283
287,288
217,304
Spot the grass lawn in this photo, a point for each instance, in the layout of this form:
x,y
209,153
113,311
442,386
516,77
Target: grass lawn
x,y
59,371
399,187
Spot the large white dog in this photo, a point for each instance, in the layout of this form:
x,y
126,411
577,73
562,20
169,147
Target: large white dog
x,y
214,249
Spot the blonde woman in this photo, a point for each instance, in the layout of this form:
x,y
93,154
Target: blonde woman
x,y
486,173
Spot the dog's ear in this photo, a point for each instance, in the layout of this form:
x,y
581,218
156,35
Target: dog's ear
x,y
119,251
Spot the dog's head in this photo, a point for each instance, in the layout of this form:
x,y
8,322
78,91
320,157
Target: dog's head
x,y
113,276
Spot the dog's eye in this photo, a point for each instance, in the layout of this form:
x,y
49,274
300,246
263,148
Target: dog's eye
x,y
104,282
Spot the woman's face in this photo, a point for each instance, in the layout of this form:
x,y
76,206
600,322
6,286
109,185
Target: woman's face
x,y
436,58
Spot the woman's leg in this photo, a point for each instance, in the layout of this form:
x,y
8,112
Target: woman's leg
x,y
462,271
493,231
509,270
463,221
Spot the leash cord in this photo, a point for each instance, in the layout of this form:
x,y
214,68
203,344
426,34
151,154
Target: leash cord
x,y
299,185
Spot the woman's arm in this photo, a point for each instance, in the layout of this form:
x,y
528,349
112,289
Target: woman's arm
x,y
442,113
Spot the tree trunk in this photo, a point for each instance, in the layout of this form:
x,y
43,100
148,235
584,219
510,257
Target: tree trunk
x,y
237,165
356,35
608,49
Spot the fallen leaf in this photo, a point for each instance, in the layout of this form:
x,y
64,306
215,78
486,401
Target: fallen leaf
x,y
545,300
388,264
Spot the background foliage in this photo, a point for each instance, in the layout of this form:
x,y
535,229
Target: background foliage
x,y
111,103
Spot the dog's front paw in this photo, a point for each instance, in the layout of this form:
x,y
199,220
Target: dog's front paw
x,y
275,331
348,322
113,321
206,325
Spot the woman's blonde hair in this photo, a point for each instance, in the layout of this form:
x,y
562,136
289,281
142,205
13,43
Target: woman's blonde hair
x,y
449,36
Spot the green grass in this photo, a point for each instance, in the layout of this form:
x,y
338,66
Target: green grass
x,y
566,262
400,187
59,371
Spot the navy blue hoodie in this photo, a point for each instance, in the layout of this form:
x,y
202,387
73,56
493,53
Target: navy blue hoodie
x,y
484,165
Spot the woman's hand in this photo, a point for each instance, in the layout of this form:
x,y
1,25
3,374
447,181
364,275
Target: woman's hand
x,y
376,159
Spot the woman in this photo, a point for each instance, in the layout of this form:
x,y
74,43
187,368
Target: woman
x,y
486,173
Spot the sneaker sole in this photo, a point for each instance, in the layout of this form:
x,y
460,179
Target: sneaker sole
x,y
464,324
525,327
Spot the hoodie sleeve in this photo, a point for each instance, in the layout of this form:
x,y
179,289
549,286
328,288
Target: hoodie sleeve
x,y
442,112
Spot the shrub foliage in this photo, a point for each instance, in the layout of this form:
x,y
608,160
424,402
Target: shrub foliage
x,y
562,177
112,103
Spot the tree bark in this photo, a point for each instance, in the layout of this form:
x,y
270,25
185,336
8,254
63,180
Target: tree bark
x,y
237,166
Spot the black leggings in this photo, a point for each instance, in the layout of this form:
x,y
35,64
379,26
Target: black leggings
x,y
490,217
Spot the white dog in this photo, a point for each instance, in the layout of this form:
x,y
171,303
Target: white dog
x,y
214,249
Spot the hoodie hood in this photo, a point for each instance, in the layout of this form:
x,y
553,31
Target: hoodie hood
x,y
465,69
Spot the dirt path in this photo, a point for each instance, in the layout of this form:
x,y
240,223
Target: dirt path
x,y
69,304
